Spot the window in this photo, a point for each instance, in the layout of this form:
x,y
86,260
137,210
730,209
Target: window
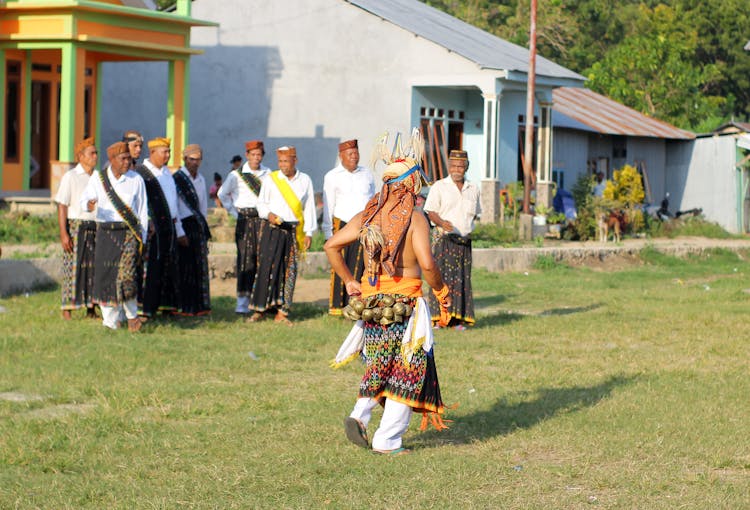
x,y
619,150
438,140
558,176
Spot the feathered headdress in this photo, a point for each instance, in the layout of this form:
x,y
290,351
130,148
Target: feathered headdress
x,y
403,177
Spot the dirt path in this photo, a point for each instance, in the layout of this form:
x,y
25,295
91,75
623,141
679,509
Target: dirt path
x,y
314,290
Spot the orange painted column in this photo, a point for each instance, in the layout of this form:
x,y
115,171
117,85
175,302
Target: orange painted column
x,y
178,108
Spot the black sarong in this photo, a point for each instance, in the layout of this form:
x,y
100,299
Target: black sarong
x,y
277,269
158,290
247,235
194,297
453,256
116,264
78,266
355,261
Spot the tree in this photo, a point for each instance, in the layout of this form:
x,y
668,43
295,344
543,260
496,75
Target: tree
x,y
164,4
653,71
694,71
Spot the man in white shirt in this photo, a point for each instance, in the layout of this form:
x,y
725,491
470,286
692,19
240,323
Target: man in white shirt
x,y
192,207
287,201
119,195
77,233
239,196
346,190
601,185
159,289
453,206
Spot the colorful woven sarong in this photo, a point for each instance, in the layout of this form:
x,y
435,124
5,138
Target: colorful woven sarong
x,y
277,269
453,256
247,234
116,259
414,381
78,266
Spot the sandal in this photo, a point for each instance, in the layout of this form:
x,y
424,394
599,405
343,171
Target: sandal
x,y
134,325
356,432
282,319
397,451
256,317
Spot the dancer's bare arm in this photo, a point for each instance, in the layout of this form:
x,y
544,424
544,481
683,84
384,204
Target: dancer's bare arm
x,y
420,240
333,247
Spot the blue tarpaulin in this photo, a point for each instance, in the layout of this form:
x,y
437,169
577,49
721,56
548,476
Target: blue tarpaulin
x,y
564,203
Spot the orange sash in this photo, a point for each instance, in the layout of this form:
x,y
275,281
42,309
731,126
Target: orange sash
x,y
410,287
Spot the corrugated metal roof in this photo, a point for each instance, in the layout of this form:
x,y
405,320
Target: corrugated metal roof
x,y
604,115
732,127
484,49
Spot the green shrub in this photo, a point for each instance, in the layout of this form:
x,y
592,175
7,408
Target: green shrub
x,y
318,240
24,228
546,263
488,235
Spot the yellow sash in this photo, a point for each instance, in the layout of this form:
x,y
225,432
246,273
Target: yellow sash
x,y
294,204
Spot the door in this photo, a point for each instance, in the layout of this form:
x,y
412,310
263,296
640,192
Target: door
x,y
39,171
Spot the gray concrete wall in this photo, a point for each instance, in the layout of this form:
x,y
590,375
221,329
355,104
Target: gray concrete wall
x,y
17,276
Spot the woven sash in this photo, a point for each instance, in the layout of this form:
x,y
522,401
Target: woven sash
x,y
294,204
252,181
127,214
187,193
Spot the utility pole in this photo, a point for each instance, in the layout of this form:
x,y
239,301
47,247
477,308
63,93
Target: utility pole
x,y
528,148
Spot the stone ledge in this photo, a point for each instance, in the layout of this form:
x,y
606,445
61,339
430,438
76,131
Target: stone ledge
x,y
17,276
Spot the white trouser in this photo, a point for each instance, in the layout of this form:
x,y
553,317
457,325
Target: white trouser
x,y
243,304
395,422
111,315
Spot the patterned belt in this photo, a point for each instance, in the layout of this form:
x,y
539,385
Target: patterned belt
x,y
111,225
250,212
83,224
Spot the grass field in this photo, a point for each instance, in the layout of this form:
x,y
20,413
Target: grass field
x,y
576,389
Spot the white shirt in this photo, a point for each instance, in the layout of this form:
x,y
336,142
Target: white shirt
x,y
131,189
166,181
599,189
459,206
345,194
234,193
72,185
271,200
199,183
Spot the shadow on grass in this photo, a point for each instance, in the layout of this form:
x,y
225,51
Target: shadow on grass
x,y
222,311
571,310
490,300
504,418
497,319
502,318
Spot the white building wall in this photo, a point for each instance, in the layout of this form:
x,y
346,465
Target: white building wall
x,y
309,73
702,174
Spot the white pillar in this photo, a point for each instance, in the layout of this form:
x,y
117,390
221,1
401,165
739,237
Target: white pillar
x,y
490,188
544,155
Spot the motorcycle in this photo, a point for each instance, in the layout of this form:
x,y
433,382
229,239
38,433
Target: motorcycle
x,y
662,212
